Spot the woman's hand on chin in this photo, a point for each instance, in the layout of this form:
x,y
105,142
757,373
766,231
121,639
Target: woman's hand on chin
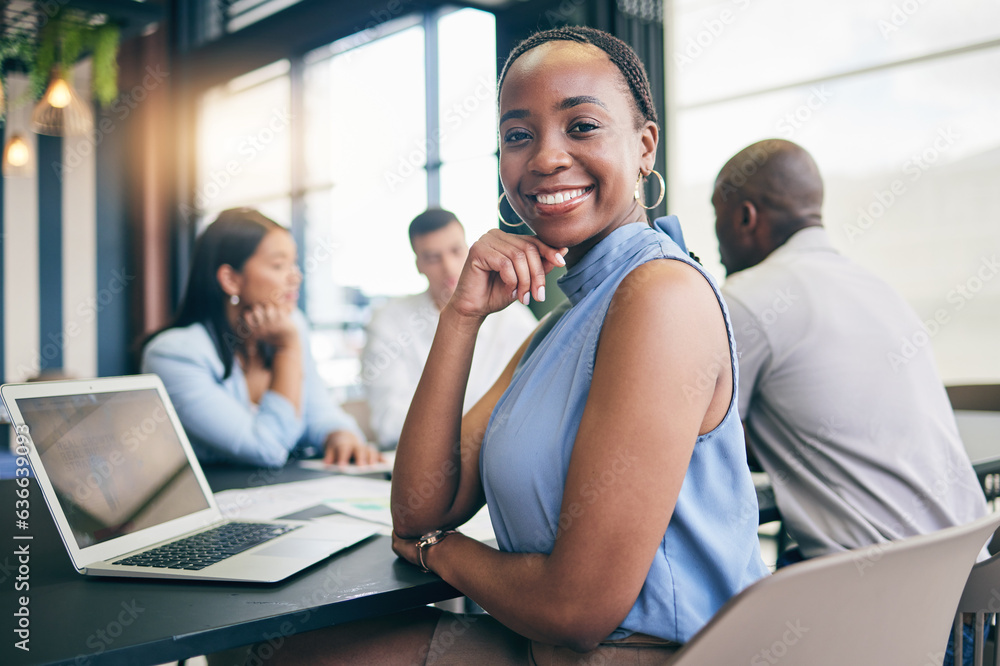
x,y
272,323
502,268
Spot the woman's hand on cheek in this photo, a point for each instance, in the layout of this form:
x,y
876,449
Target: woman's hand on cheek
x,y
272,324
502,268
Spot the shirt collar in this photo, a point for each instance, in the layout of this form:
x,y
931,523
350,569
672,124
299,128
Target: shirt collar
x,y
810,239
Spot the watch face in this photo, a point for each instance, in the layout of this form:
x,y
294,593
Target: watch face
x,y
432,538
429,539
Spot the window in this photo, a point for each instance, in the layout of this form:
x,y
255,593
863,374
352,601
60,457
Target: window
x,y
393,120
386,138
896,101
467,119
244,146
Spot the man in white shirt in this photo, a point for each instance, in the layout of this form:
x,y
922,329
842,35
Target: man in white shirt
x,y
861,445
401,332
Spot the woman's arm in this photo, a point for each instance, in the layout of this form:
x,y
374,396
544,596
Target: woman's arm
x,y
658,383
436,480
276,325
210,411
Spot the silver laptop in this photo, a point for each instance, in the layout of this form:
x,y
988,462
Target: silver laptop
x,y
124,486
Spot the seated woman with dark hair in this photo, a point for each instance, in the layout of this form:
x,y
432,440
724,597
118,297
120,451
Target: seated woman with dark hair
x,y
236,359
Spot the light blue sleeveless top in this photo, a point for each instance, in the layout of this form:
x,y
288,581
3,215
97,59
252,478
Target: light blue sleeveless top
x,y
710,550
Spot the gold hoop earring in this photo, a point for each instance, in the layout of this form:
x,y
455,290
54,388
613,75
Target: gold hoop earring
x,y
500,215
638,190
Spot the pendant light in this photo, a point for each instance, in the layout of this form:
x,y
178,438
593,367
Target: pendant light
x,y
61,112
17,160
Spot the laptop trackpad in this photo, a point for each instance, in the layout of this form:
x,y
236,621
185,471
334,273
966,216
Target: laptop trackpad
x,y
298,548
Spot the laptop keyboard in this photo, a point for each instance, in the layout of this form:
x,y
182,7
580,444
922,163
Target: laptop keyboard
x,y
208,547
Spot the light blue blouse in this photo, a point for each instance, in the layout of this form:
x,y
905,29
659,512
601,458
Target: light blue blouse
x,y
221,422
710,550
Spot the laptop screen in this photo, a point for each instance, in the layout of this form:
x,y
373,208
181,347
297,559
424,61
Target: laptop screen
x,y
114,460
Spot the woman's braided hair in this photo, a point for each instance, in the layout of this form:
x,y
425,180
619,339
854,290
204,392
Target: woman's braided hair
x,y
620,53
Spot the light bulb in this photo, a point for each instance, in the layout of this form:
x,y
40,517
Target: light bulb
x,y
59,95
17,152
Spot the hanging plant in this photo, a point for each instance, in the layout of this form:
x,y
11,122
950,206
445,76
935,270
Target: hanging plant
x,y
71,37
15,48
62,40
45,57
105,67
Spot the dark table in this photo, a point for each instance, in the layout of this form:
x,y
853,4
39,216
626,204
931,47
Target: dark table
x,y
85,620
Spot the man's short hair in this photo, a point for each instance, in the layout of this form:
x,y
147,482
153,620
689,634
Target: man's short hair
x,y
430,220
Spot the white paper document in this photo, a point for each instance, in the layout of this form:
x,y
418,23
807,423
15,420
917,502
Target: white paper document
x,y
357,497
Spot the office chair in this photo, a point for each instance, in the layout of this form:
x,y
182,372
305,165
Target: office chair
x,y
891,603
981,599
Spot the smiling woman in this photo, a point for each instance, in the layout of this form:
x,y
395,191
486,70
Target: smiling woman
x,y
544,133
582,446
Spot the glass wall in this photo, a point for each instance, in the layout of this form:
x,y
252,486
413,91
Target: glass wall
x,y
373,162
467,119
244,146
897,102
379,138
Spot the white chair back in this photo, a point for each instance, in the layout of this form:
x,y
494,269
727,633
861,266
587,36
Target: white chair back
x,y
892,603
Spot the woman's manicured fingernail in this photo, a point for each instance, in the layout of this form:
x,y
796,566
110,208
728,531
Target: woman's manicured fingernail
x,y
560,260
513,294
541,293
527,297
